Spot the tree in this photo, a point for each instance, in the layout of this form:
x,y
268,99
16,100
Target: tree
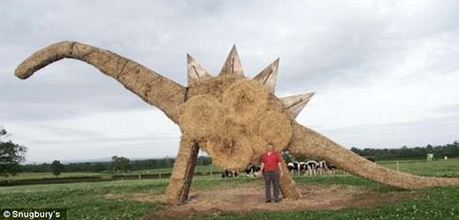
x,y
11,155
429,148
120,164
57,167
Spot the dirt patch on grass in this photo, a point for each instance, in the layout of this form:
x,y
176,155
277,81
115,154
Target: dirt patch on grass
x,y
249,198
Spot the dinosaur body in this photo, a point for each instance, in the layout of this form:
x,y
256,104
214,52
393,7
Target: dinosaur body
x,y
229,116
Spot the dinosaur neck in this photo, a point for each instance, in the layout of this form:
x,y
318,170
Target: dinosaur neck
x,y
153,88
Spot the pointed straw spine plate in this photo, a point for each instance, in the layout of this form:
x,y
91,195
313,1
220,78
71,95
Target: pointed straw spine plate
x,y
232,64
294,104
268,76
195,71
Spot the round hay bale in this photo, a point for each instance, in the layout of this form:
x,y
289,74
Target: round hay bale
x,y
230,153
245,99
275,128
234,127
201,116
230,147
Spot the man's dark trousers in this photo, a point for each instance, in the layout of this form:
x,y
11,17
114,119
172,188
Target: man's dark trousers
x,y
271,178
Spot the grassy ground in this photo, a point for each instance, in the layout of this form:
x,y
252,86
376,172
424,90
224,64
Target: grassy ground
x,y
440,203
198,168
38,175
422,167
85,200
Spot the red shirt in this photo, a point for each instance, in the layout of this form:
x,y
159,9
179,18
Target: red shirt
x,y
270,161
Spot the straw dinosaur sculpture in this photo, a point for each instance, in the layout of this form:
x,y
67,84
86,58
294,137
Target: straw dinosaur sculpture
x,y
229,116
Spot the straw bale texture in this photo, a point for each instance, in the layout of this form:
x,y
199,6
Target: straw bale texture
x,y
201,116
246,99
237,129
275,128
180,180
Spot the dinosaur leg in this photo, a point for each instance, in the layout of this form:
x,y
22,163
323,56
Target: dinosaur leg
x,y
287,185
308,142
182,174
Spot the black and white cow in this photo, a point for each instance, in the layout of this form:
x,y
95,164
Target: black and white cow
x,y
326,168
322,168
229,173
298,167
312,166
252,170
293,167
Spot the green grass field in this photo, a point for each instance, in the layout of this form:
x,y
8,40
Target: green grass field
x,y
38,175
86,200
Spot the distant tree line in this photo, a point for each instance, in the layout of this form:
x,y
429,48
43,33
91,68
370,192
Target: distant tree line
x,y
117,165
449,150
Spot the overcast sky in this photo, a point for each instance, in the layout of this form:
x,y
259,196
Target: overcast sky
x,y
385,73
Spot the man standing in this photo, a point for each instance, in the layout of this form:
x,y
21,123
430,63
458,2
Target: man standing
x,y
272,170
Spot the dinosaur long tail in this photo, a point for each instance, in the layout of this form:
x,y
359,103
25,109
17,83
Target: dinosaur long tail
x,y
308,142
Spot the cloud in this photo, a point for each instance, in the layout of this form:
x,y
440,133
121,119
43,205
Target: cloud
x,y
372,64
141,133
417,133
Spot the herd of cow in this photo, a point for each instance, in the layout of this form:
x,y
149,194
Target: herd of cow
x,y
310,168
